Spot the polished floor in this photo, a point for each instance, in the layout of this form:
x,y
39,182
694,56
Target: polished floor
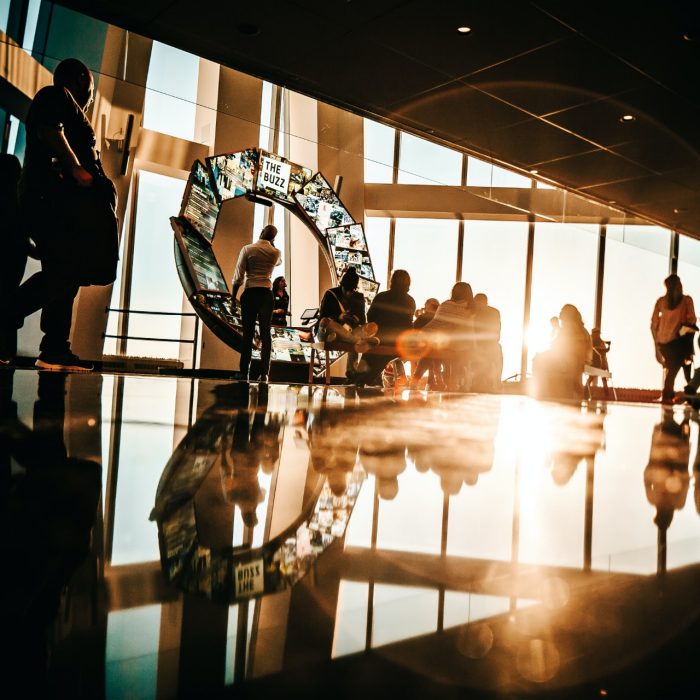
x,y
170,537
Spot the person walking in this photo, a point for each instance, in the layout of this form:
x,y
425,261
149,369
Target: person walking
x,y
673,326
60,160
256,262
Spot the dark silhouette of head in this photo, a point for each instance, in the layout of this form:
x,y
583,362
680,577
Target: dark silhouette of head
x,y
481,300
268,233
400,281
431,305
570,315
277,285
10,169
350,280
75,76
462,291
674,291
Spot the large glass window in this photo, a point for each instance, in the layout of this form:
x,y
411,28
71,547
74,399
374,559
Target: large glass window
x,y
636,264
689,268
482,174
171,92
379,152
494,262
427,248
424,163
563,272
377,233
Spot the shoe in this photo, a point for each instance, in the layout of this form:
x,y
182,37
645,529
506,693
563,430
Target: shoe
x,y
370,328
373,340
63,362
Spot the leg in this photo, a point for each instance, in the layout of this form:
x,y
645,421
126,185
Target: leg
x,y
57,309
265,306
248,314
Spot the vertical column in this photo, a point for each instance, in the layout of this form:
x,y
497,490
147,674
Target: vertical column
x,y
528,293
600,276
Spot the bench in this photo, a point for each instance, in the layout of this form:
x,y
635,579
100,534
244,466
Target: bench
x,y
597,373
327,347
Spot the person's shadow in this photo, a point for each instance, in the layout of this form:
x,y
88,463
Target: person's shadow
x,y
49,507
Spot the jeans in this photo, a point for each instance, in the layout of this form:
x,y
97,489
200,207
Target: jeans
x,y
256,305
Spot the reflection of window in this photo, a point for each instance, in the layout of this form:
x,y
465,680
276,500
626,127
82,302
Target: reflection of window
x,y
494,262
171,92
563,272
350,631
379,152
427,248
131,652
402,612
424,163
377,233
689,268
635,268
482,174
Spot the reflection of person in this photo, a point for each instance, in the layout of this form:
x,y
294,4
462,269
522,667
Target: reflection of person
x,y
60,155
256,262
280,302
672,327
487,363
48,512
557,372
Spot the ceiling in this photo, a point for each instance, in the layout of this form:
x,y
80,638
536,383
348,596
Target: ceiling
x,y
537,85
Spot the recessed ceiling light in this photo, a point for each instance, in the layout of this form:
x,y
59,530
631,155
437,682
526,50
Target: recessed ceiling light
x,y
464,30
680,210
534,172
627,118
688,36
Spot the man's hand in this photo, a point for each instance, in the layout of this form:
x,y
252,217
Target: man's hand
x,y
81,176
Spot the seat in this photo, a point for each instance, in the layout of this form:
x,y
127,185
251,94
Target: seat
x,y
593,373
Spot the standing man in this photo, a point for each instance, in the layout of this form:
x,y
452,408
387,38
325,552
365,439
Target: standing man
x,y
60,157
255,264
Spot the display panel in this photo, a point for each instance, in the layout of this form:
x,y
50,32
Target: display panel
x,y
279,178
200,206
320,204
287,346
369,288
233,174
205,271
348,247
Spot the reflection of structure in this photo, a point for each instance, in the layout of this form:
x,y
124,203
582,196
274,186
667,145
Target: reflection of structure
x,y
194,519
263,177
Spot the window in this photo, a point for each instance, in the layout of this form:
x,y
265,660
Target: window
x,y
424,163
482,174
171,92
427,248
494,262
379,152
636,264
377,234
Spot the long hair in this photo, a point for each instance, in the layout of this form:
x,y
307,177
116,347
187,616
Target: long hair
x,y
569,314
674,291
276,284
462,291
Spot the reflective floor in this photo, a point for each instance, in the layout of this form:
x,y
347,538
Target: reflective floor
x,y
169,538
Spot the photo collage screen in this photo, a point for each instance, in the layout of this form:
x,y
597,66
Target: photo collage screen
x,y
233,174
201,262
348,247
280,179
322,205
200,207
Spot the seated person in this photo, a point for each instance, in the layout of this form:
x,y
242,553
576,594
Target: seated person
x,y
451,333
423,317
557,372
487,362
342,315
392,311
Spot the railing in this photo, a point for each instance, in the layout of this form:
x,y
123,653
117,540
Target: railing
x,y
189,341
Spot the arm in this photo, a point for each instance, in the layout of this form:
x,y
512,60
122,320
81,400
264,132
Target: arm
x,y
690,317
54,139
239,274
655,320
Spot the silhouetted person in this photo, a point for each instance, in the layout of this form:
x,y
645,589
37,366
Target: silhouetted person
x,y
487,361
672,327
393,312
16,247
434,367
256,262
60,157
280,307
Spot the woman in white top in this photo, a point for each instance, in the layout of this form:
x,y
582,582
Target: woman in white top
x,y
673,324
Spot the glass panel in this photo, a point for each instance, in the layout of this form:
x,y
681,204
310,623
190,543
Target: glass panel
x,y
30,25
563,272
377,234
171,92
155,285
379,152
427,248
424,163
689,268
131,654
634,278
402,612
482,174
4,14
494,262
231,640
461,608
350,631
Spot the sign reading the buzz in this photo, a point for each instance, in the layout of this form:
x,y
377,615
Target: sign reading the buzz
x,y
274,175
249,578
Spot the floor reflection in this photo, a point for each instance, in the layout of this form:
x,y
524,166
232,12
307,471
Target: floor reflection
x,y
236,532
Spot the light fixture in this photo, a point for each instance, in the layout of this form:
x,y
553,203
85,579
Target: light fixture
x,y
464,30
680,210
627,118
534,172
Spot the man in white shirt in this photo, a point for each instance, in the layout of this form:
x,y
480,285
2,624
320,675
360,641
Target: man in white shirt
x,y
255,264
